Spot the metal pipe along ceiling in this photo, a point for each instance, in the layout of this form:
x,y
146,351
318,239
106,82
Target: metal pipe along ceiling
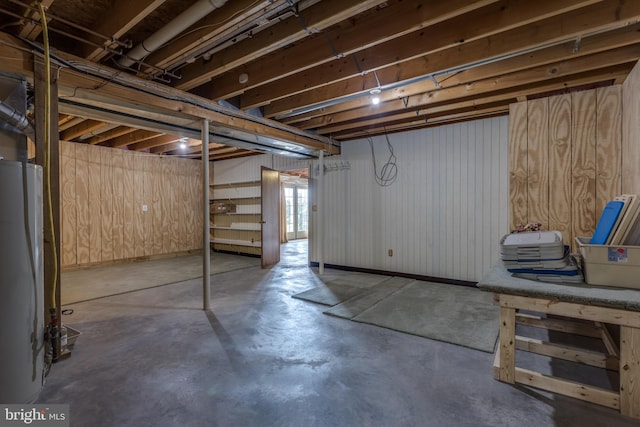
x,y
180,23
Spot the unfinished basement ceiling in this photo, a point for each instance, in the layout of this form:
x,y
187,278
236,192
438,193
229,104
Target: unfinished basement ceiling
x,y
316,65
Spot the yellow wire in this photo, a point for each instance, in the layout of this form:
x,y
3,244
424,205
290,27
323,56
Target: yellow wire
x,y
47,150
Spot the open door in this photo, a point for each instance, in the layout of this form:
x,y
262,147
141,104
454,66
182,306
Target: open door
x,y
270,217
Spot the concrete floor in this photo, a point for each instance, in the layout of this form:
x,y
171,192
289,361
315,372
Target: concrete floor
x,y
262,358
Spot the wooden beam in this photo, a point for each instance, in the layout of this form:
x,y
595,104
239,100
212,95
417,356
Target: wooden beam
x,y
568,388
31,30
212,29
380,127
110,134
565,352
154,95
80,129
443,60
317,17
389,23
155,141
450,34
132,138
123,15
559,325
479,89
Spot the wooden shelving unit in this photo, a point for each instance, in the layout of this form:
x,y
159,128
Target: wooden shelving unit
x,y
238,231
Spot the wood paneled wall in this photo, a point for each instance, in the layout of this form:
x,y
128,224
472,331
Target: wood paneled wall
x,y
565,160
104,192
631,132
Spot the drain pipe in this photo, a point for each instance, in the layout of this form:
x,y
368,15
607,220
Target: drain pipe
x,y
180,23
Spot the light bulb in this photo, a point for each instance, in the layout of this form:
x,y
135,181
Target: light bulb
x,y
375,100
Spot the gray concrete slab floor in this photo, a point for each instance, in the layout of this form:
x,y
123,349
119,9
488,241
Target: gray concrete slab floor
x,y
261,358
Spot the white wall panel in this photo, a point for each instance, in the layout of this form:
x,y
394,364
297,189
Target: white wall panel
x,y
442,217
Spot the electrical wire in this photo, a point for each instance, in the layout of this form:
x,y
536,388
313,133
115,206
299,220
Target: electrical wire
x,y
389,171
47,151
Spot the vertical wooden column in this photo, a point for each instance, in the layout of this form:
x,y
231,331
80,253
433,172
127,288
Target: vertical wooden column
x,y
507,366
630,371
206,249
51,265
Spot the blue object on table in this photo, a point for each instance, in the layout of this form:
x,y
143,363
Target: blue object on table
x,y
607,222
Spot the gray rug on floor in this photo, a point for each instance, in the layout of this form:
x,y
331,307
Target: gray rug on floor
x,y
367,297
455,314
329,294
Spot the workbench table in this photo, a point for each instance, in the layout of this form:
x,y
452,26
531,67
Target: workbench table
x,y
598,305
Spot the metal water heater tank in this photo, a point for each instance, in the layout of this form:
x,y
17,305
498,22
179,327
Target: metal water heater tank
x,y
21,283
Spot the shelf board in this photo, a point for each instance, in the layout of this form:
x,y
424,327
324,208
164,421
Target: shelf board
x,y
236,193
241,226
249,243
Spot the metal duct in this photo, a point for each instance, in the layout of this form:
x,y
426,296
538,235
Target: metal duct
x,y
183,21
15,119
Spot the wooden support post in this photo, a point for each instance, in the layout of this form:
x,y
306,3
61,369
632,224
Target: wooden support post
x,y
51,263
630,371
507,362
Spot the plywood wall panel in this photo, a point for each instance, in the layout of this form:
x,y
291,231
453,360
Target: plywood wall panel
x,y
157,210
631,132
184,204
117,168
583,159
609,144
518,170
104,191
167,208
82,204
138,213
106,204
538,161
148,177
193,211
95,218
128,204
68,203
560,196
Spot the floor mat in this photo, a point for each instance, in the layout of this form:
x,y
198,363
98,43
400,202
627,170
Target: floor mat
x,y
329,293
455,314
368,297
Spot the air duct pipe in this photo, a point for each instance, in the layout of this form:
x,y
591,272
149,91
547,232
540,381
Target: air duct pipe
x,y
183,21
15,119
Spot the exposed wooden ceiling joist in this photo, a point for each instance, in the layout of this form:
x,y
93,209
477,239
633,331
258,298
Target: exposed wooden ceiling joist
x,y
310,66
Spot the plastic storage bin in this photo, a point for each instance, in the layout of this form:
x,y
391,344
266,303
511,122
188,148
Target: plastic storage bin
x,y
604,265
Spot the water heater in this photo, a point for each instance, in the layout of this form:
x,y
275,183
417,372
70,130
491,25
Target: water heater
x,y
21,282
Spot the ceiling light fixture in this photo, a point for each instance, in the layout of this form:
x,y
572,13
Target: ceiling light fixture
x,y
375,100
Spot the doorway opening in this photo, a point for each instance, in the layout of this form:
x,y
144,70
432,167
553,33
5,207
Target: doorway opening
x,y
295,200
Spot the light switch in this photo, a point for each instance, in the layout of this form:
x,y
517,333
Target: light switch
x,y
145,208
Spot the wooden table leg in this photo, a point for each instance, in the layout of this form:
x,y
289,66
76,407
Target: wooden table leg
x,y
507,349
630,371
